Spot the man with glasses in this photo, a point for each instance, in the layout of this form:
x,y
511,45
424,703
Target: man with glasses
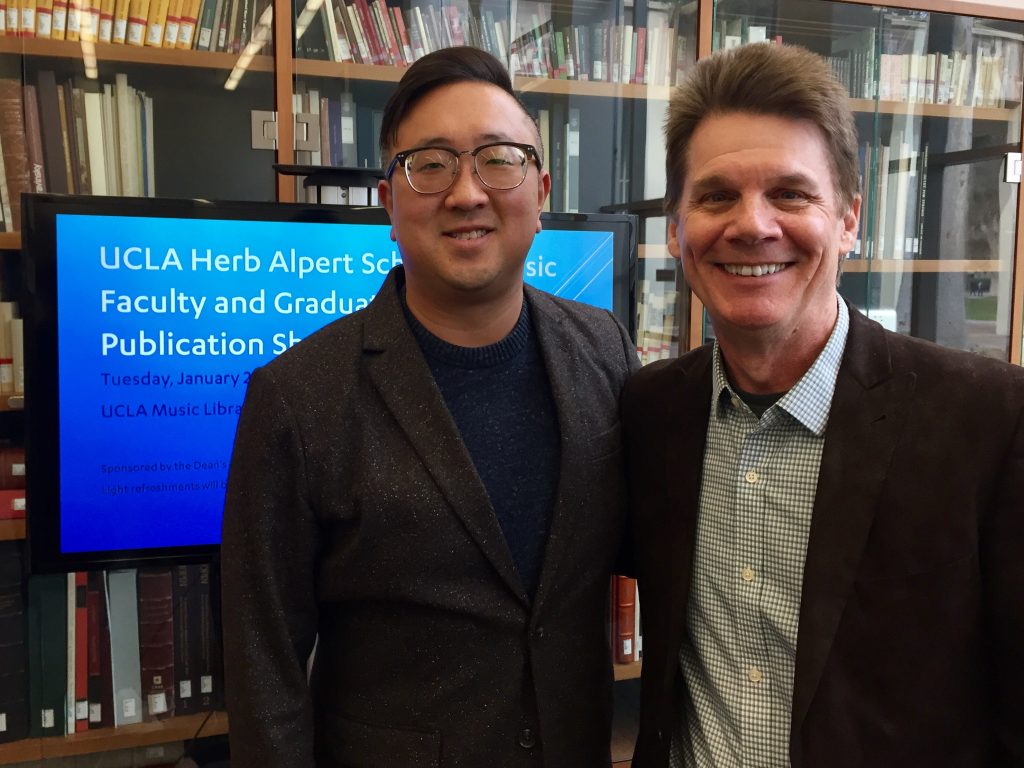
x,y
431,489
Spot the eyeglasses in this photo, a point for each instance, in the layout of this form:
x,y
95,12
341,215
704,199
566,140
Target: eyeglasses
x,y
499,165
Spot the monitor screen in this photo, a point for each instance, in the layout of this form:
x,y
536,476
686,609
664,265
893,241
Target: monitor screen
x,y
144,319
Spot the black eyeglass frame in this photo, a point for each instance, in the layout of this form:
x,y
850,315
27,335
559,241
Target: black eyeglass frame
x,y
401,157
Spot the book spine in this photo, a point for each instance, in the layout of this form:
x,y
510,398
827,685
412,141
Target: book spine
x,y
186,632
625,605
47,627
138,15
18,354
14,684
27,20
12,140
156,641
173,24
155,21
106,29
94,607
44,19
122,608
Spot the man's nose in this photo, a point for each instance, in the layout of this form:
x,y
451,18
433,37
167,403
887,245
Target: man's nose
x,y
753,219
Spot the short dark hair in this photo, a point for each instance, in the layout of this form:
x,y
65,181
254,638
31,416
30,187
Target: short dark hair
x,y
763,79
446,66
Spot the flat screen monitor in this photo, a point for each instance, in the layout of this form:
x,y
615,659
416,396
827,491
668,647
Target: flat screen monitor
x,y
145,317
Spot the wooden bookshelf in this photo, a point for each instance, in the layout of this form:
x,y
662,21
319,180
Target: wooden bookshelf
x,y
131,54
11,530
105,739
21,751
10,241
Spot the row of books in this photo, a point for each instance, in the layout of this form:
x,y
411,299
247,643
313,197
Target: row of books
x,y
207,25
895,192
371,32
936,78
94,650
900,68
76,136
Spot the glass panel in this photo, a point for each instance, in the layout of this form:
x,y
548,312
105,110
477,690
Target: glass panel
x,y
117,99
595,76
937,99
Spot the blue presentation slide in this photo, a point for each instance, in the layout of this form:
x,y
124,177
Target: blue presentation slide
x,y
161,321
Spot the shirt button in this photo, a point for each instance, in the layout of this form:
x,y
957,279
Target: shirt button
x,y
747,574
538,633
754,674
735,401
526,739
751,476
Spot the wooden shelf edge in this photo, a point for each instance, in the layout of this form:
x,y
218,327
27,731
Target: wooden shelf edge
x,y
629,671
23,751
1004,114
12,530
924,265
104,739
132,54
10,241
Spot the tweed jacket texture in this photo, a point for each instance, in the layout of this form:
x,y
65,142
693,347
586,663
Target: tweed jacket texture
x,y
355,517
909,651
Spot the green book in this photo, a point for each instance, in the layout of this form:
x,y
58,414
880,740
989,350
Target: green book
x,y
47,654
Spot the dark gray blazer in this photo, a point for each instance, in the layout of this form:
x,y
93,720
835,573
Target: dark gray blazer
x,y
911,643
355,513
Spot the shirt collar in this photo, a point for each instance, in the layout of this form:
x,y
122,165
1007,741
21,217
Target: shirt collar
x,y
810,398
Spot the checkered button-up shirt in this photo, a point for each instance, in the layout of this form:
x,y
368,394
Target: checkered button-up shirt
x,y
756,500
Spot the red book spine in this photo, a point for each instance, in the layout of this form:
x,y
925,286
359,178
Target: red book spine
x,y
625,619
370,32
156,641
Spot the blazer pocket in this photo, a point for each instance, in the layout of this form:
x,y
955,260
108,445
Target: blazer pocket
x,y
606,443
355,744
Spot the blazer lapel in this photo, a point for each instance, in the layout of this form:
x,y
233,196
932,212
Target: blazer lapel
x,y
562,363
686,428
400,374
865,422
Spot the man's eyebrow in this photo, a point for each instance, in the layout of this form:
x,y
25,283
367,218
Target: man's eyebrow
x,y
719,181
446,141
714,181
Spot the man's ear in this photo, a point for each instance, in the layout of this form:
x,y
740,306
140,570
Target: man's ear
x,y
675,248
543,190
850,219
384,196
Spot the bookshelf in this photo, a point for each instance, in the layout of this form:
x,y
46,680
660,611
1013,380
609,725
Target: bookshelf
x,y
106,739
